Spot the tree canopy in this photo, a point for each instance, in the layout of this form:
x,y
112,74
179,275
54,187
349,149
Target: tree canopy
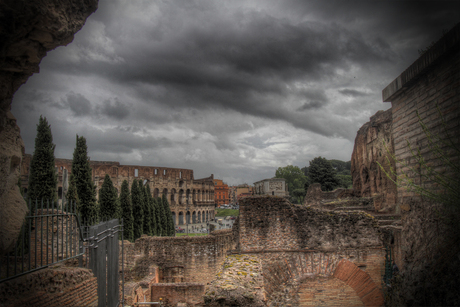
x,y
42,175
321,171
293,175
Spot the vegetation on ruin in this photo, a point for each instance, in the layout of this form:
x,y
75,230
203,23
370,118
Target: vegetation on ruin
x,y
42,175
108,202
126,212
86,191
227,212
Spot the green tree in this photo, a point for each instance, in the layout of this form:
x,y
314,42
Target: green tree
x,y
146,208
321,171
108,199
126,212
157,215
81,171
72,195
168,224
293,175
138,210
153,212
42,174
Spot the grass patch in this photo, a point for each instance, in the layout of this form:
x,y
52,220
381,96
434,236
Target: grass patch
x,y
227,212
191,234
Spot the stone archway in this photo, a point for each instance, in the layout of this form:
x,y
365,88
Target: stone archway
x,y
347,286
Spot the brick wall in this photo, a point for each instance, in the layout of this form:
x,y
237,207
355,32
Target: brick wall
x,y
273,224
433,80
182,259
327,292
51,288
172,294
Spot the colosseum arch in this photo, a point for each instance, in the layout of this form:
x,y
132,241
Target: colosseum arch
x,y
156,193
194,217
165,192
187,197
181,218
181,195
173,197
174,217
199,217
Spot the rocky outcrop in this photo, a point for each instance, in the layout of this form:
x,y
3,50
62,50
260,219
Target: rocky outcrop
x,y
29,29
373,146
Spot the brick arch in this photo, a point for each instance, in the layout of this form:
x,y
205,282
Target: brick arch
x,y
360,281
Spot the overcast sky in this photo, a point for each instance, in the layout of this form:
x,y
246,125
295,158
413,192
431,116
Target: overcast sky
x,y
230,88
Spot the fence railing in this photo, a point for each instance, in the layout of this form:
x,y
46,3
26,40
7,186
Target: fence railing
x,y
51,233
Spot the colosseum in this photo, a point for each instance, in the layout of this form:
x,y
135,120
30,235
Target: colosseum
x,y
188,197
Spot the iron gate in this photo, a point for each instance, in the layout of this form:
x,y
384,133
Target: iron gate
x,y
103,251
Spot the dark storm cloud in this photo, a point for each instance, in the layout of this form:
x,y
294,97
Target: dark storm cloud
x,y
78,104
310,105
352,93
114,109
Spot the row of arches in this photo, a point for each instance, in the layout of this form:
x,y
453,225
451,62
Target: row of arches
x,y
192,217
185,196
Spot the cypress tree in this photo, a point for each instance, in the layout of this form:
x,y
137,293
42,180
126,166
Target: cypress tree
x,y
138,212
126,212
168,228
108,199
156,206
72,195
146,209
42,174
85,187
151,205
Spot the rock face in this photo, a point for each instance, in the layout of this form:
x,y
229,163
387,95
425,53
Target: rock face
x,y
29,29
373,146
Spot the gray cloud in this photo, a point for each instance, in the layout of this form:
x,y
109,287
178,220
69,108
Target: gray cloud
x,y
234,88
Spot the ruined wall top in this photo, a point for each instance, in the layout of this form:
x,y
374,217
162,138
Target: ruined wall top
x,y
439,50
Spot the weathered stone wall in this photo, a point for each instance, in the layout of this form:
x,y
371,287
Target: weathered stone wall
x,y
316,197
295,243
29,30
274,224
374,146
51,288
181,259
430,233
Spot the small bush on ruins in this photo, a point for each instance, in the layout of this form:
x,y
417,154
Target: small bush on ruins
x,y
42,176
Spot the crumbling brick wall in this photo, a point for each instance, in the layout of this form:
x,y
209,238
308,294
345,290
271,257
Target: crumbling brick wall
x,y
54,287
182,259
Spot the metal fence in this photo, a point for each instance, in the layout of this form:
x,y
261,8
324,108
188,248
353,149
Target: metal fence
x,y
50,234
101,242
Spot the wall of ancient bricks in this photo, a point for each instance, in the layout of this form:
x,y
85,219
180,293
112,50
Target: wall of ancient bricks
x,y
181,259
296,242
172,294
274,224
432,81
51,288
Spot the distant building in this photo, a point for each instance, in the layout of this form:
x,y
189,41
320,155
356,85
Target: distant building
x,y
239,191
272,186
221,192
191,200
